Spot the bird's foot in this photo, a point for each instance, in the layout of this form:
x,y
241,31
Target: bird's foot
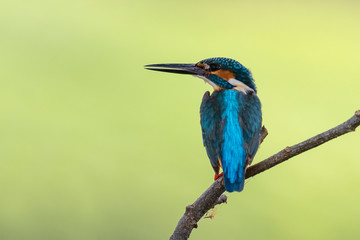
x,y
218,175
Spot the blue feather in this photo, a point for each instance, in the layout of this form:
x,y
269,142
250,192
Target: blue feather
x,y
231,126
233,154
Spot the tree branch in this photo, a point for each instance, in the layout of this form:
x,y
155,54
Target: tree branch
x,y
211,196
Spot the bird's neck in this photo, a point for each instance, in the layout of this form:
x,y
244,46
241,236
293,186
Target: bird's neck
x,y
249,82
246,78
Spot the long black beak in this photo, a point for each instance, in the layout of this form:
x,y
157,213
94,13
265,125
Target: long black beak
x,y
177,68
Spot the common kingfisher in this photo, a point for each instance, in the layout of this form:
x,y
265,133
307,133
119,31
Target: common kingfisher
x,y
231,119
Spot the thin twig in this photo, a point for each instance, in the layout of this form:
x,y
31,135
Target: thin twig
x,y
210,197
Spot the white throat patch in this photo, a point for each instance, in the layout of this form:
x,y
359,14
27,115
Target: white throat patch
x,y
238,85
241,87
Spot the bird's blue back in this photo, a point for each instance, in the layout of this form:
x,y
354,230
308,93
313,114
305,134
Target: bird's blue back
x,y
231,129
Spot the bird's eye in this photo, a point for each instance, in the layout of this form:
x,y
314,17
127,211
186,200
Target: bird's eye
x,y
214,67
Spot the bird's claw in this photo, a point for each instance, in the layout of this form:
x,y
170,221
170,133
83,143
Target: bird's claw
x,y
217,176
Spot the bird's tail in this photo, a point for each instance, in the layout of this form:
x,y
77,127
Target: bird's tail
x,y
235,186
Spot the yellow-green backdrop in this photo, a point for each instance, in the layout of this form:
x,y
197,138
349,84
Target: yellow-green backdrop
x,y
92,146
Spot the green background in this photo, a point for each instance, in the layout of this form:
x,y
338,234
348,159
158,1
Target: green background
x,y
92,146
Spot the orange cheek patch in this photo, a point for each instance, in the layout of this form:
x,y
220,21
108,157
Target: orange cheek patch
x,y
224,74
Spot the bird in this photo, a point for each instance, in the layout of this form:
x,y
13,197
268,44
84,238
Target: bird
x,y
230,117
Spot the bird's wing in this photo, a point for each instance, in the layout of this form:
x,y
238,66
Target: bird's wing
x,y
250,120
210,121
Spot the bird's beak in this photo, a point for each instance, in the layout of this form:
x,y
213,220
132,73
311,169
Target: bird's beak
x,y
177,68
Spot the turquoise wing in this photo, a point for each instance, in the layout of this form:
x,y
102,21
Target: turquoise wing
x,y
210,119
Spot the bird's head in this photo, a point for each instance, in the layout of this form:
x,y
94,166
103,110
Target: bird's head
x,y
220,73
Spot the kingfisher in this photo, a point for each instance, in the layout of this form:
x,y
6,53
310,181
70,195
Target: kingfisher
x,y
230,117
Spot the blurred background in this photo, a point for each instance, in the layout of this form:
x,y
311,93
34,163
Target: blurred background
x,y
92,146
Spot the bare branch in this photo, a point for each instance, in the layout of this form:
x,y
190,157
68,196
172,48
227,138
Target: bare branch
x,y
211,196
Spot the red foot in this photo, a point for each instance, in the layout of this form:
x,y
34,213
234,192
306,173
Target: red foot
x,y
217,176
